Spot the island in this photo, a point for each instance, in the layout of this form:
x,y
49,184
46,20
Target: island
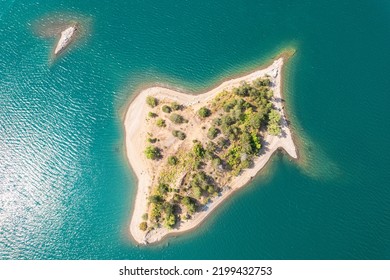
x,y
66,38
191,152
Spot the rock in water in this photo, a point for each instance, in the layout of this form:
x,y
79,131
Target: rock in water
x,y
66,38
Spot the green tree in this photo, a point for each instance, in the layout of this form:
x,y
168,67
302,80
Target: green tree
x,y
170,221
156,199
152,140
216,162
175,106
262,82
143,226
161,123
198,150
151,101
152,152
217,122
166,109
179,134
273,127
189,204
212,133
172,160
197,191
274,116
162,188
176,118
204,112
152,115
223,142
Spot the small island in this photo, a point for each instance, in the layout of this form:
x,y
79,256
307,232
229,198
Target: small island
x,y
66,38
190,152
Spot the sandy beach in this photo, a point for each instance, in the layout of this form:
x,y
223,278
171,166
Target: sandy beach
x,y
136,133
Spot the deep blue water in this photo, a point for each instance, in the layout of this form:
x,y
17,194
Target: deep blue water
x,y
66,190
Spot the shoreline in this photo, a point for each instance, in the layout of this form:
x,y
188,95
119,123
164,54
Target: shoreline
x,y
136,110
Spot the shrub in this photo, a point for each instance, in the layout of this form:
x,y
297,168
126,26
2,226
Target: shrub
x,y
166,109
172,160
197,191
228,120
176,118
179,134
155,213
212,133
211,147
216,162
274,123
152,115
204,112
189,204
175,106
151,101
217,122
143,226
198,150
274,129
152,152
223,142
260,82
156,199
170,221
161,123
145,216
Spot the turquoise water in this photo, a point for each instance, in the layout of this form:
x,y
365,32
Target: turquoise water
x,y
66,190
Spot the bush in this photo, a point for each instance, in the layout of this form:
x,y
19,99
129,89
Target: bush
x,y
175,106
161,123
197,191
172,160
223,143
228,120
166,109
204,112
198,150
217,122
261,82
143,226
151,101
212,133
145,216
170,221
216,162
189,204
176,118
179,134
152,115
156,199
274,129
274,123
211,147
152,152
229,105
162,188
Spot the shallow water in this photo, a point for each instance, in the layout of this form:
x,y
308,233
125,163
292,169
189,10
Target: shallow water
x,y
65,187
